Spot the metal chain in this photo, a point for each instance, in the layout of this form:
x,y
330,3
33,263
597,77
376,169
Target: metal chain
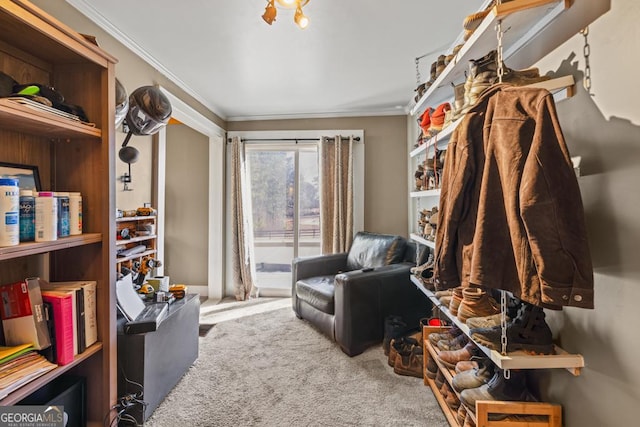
x,y
500,33
503,329
418,77
586,51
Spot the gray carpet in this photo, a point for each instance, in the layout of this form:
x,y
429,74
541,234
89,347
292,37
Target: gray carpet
x,y
272,369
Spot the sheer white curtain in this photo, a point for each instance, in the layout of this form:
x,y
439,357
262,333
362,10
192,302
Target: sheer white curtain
x,y
242,226
336,193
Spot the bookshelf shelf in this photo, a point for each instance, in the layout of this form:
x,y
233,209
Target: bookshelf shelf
x,y
33,248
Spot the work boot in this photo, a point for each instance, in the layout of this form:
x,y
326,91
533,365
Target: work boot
x,y
528,331
466,365
400,345
461,414
513,304
453,344
439,380
409,362
394,327
432,367
450,358
453,332
456,299
499,388
450,398
476,302
473,378
468,422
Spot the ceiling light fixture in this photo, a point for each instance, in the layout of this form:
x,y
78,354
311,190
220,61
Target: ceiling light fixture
x,y
270,12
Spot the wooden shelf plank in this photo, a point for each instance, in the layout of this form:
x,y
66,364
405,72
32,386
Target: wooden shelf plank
x,y
448,412
423,241
34,385
33,248
136,218
522,21
20,118
518,359
135,239
139,255
425,193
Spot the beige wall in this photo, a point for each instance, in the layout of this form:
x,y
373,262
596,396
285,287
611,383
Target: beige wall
x,y
186,211
132,72
385,199
604,130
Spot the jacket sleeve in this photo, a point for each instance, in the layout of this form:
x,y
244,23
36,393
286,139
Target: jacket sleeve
x,y
457,171
553,216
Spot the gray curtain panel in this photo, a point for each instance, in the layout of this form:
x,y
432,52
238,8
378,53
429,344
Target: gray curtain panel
x,y
241,229
336,193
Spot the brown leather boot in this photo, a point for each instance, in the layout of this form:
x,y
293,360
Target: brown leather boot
x,y
476,302
456,299
410,363
450,358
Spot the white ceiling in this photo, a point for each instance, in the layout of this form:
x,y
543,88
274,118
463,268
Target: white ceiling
x,y
357,57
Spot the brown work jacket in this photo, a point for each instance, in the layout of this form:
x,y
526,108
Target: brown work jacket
x,y
511,214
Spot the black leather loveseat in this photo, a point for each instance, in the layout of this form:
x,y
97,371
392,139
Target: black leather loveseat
x,y
348,295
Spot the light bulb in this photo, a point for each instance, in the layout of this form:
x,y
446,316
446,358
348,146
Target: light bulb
x,y
287,3
301,19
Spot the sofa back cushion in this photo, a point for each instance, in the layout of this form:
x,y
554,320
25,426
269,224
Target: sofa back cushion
x,y
372,250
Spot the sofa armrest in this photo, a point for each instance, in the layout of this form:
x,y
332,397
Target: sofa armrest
x,y
321,265
364,298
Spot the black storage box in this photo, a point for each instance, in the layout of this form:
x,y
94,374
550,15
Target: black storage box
x,y
68,391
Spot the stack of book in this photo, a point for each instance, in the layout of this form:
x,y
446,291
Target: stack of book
x,y
19,365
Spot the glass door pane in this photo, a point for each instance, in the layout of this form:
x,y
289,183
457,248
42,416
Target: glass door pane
x,y
272,175
286,209
309,204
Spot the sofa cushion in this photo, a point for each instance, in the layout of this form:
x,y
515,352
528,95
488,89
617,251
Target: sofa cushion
x,y
372,250
317,292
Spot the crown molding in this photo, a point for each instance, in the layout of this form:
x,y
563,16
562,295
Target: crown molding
x,y
84,7
330,115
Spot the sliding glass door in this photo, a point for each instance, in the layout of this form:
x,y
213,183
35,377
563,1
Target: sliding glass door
x,y
286,208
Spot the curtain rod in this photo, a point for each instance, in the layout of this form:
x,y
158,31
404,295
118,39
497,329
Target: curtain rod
x,y
355,138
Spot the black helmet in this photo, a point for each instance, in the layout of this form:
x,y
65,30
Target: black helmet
x,y
122,103
149,110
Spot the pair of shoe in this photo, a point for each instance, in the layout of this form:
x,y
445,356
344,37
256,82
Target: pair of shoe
x,y
513,304
394,327
527,331
432,120
424,272
452,357
476,302
406,355
499,388
473,378
449,396
483,73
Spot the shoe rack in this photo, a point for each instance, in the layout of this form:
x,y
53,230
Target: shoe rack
x,y
523,22
512,414
518,359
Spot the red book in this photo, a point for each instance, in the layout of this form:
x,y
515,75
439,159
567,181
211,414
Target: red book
x,y
62,308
